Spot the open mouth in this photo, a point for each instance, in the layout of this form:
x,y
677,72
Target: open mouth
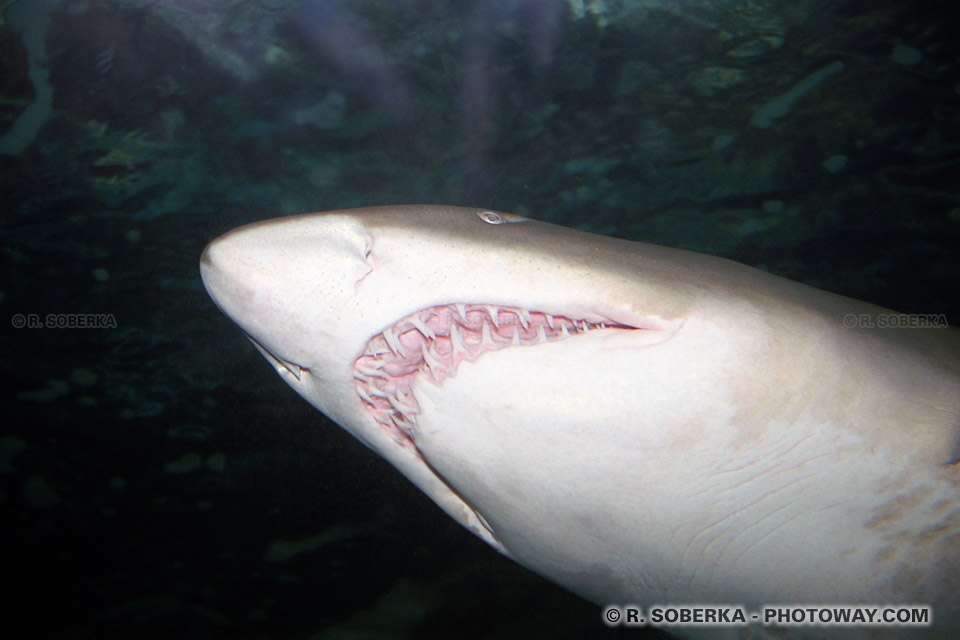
x,y
433,342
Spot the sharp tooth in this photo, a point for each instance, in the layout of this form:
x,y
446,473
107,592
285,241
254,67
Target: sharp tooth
x,y
494,312
524,316
403,423
549,319
359,376
516,336
586,327
485,337
375,391
405,400
563,330
432,363
399,406
456,341
394,342
374,350
602,326
541,336
462,311
421,327
382,417
373,373
364,395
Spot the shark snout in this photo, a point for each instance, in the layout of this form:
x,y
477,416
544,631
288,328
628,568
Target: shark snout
x,y
212,272
286,257
289,281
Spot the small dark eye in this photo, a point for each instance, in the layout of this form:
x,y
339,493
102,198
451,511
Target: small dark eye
x,y
490,217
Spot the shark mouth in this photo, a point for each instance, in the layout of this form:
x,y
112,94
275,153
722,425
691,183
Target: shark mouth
x,y
433,342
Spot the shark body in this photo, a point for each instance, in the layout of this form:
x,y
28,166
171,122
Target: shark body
x,y
639,424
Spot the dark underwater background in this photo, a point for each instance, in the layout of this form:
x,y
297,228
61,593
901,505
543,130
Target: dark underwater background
x,y
158,480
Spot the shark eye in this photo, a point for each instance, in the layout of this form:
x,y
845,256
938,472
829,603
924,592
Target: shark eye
x,y
491,217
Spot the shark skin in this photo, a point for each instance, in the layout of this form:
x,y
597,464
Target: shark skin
x,y
642,425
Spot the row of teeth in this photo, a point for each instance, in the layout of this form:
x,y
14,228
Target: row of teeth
x,y
433,342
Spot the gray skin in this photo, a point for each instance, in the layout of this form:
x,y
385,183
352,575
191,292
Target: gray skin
x,y
738,438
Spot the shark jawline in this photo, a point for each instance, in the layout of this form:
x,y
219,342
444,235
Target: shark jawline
x,y
432,342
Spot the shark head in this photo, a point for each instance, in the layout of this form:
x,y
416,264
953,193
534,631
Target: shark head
x,y
357,309
632,421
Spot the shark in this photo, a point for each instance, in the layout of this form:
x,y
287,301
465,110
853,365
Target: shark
x,y
637,423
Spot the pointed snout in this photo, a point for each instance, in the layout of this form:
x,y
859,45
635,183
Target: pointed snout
x,y
279,279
